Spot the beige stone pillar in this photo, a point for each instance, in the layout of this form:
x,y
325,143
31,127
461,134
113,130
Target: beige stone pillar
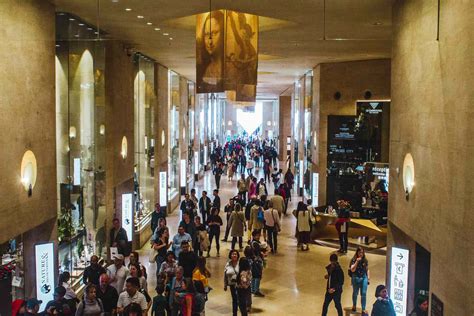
x,y
183,133
119,113
285,125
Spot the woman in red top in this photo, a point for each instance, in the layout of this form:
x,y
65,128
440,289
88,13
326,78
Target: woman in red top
x,y
188,298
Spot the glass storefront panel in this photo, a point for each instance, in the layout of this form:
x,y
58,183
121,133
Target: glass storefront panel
x,y
144,170
173,120
80,138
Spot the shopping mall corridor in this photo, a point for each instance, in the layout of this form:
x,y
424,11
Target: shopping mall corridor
x,y
293,281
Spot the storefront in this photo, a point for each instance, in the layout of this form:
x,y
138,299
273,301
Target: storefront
x,y
80,145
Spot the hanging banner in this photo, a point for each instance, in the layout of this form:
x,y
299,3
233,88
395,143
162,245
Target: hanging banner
x,y
241,47
210,52
44,260
227,53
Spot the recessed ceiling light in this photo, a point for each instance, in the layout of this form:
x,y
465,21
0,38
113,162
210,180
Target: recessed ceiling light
x,y
96,32
140,16
57,45
90,28
81,24
71,19
77,35
115,1
61,13
128,9
377,23
157,29
166,34
171,38
149,23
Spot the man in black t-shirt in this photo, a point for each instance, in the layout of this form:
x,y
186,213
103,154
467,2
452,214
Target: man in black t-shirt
x,y
107,294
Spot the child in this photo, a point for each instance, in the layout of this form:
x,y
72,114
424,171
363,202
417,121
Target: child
x,y
160,302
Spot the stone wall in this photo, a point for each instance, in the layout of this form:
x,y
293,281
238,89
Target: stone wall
x,y
351,79
284,125
432,118
27,107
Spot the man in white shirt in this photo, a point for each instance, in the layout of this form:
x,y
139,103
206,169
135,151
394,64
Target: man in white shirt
x,y
118,273
131,295
272,225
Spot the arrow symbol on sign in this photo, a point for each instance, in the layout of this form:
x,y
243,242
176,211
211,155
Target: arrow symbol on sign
x,y
400,256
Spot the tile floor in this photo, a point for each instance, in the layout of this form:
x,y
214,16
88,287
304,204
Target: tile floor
x,y
293,281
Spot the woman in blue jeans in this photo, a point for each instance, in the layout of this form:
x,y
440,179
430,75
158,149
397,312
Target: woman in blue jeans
x,y
359,268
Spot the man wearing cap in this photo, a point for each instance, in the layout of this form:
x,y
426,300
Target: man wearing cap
x,y
59,303
118,273
131,295
32,307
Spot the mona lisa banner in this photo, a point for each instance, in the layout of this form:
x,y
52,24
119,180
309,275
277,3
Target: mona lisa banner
x,y
227,53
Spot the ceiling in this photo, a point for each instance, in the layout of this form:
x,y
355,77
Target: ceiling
x,y
295,35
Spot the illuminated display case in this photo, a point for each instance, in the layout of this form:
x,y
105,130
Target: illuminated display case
x,y
144,133
80,144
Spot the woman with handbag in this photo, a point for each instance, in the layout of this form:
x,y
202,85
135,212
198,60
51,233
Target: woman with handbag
x,y
160,247
231,271
272,225
304,220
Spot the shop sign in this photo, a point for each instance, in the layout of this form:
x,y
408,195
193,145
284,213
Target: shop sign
x,y
163,187
183,172
314,196
127,214
44,260
196,162
77,171
301,171
399,280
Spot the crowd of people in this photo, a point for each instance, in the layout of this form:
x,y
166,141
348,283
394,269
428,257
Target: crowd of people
x,y
253,222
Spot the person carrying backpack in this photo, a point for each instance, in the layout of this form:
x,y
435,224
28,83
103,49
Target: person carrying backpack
x,y
257,218
90,304
257,263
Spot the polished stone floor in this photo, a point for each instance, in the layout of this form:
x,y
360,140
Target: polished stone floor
x,y
293,281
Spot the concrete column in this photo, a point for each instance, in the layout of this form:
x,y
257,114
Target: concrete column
x,y
119,109
284,124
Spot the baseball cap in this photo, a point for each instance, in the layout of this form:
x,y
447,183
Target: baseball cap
x,y
118,256
32,302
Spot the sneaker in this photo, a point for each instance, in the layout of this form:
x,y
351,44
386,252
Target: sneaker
x,y
224,240
259,294
218,254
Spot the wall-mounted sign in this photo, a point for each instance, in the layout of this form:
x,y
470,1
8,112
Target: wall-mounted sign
x,y
196,162
399,279
314,195
163,189
183,172
127,214
77,171
437,306
301,173
45,284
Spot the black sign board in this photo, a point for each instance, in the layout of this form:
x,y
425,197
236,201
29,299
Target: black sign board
x,y
437,306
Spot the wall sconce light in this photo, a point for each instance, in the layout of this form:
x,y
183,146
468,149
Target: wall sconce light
x,y
28,171
124,149
163,138
229,123
408,175
102,129
72,132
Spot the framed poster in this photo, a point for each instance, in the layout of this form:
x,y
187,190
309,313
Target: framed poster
x,y
437,306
